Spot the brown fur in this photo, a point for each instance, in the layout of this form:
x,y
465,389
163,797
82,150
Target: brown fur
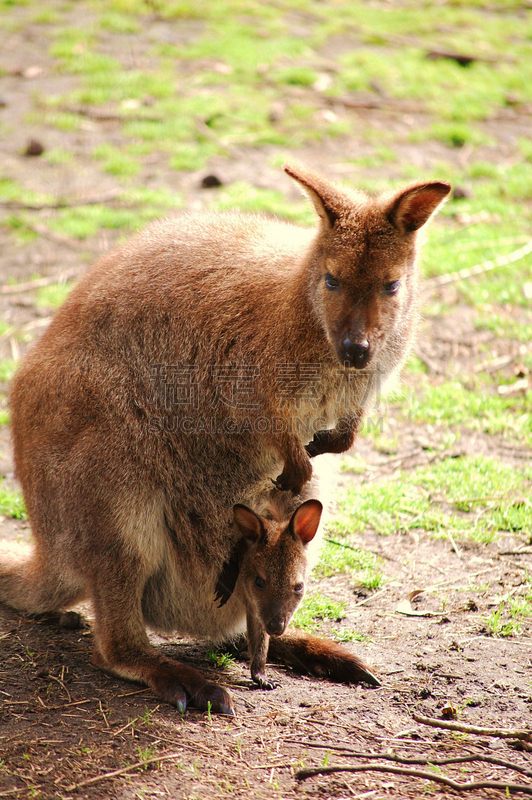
x,y
276,552
125,502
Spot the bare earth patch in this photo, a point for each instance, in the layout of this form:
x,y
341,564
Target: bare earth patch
x,y
68,730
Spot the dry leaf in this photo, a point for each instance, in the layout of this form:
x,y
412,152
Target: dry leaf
x,y
405,606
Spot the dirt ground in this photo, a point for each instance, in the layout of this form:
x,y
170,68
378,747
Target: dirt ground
x,y
69,730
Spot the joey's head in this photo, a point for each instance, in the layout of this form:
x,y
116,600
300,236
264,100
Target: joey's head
x,y
363,277
274,567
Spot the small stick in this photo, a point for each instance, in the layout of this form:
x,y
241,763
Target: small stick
x,y
367,599
418,773
348,752
500,733
38,282
107,775
455,548
64,203
108,116
478,269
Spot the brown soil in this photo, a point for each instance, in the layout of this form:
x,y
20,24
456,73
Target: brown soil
x,y
64,724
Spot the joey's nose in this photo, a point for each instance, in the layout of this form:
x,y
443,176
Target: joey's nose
x,y
357,353
276,626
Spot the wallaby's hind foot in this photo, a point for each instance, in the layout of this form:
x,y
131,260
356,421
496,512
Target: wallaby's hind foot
x,y
320,657
174,682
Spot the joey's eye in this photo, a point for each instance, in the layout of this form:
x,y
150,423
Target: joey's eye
x,y
331,282
392,287
260,583
298,588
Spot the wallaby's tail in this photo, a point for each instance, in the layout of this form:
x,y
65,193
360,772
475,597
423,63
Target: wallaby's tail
x,y
319,657
29,583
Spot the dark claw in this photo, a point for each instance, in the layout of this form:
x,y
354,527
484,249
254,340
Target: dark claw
x,y
265,683
370,678
177,697
313,449
284,484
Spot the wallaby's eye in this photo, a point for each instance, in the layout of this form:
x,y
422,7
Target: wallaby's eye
x,y
298,588
331,282
260,583
392,287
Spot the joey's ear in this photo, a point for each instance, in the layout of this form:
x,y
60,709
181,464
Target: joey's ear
x,y
306,520
414,206
326,198
249,524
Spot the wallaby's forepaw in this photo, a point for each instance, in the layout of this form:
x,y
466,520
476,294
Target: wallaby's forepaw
x,y
263,682
335,440
212,697
313,448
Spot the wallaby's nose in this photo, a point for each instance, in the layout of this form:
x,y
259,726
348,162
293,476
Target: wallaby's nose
x,y
276,625
356,353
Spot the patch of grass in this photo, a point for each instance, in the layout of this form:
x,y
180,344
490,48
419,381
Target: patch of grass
x,y
474,496
266,201
45,16
451,403
354,464
58,155
500,228
342,557
508,618
505,325
146,756
349,636
220,659
316,608
11,503
295,76
116,161
82,222
20,227
54,295
116,22
8,367
453,134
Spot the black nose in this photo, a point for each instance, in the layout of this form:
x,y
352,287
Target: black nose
x,y
356,353
276,626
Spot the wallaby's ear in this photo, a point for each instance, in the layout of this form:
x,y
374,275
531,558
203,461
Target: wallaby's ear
x,y
327,200
306,520
414,206
249,524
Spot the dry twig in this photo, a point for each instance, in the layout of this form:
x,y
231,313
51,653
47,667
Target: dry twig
x,y
115,773
479,269
19,288
418,773
470,757
499,733
63,202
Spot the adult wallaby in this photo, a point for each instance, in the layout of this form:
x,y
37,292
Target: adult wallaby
x,y
209,354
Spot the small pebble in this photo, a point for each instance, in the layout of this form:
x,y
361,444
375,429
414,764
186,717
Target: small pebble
x,y
34,148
